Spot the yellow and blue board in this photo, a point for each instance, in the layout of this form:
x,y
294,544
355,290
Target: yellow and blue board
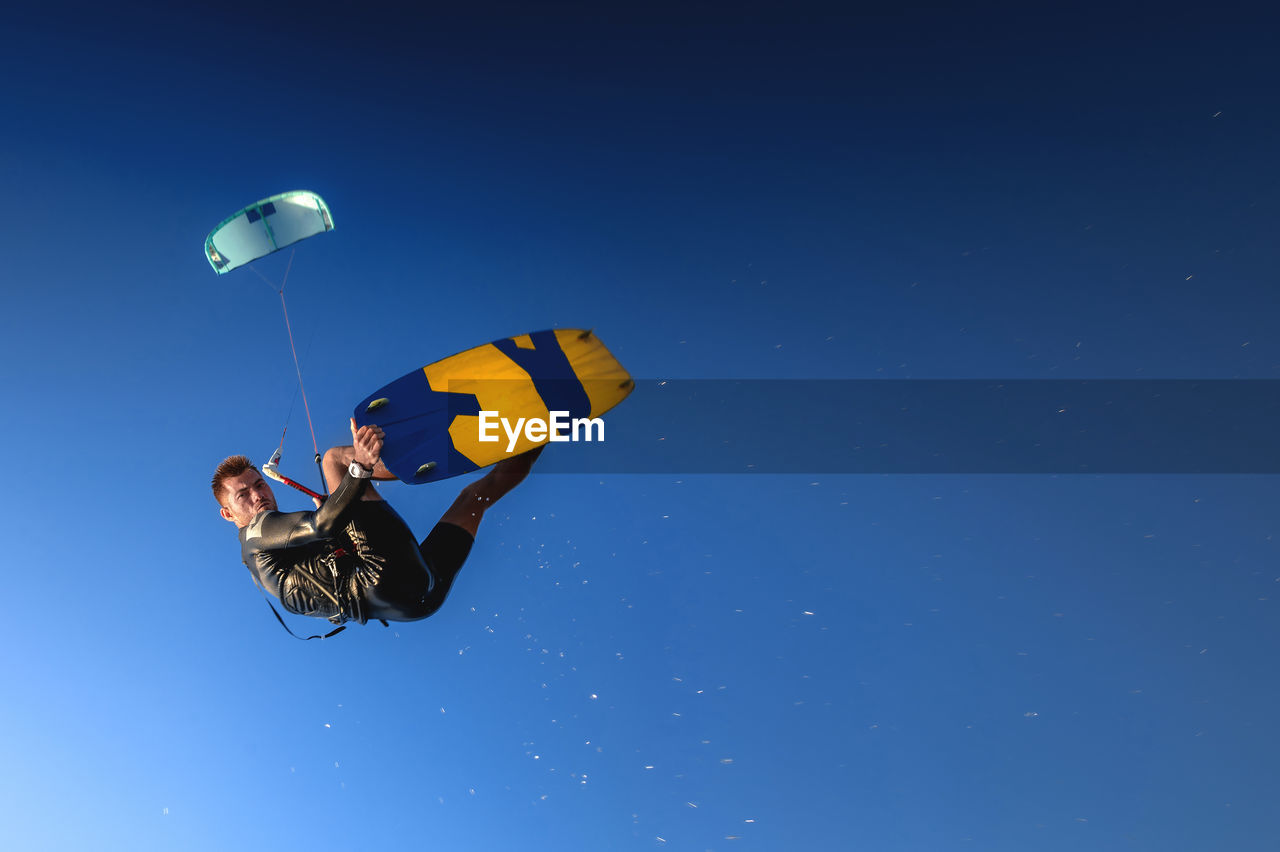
x,y
431,416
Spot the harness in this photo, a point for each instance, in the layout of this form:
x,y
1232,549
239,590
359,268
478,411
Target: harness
x,y
346,612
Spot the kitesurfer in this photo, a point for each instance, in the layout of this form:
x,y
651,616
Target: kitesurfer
x,y
354,558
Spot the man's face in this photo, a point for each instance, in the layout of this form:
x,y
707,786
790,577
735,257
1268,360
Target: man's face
x,y
245,496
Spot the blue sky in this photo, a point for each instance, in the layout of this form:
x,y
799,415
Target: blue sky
x,y
682,661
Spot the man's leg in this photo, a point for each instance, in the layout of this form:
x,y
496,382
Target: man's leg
x,y
400,597
472,502
449,542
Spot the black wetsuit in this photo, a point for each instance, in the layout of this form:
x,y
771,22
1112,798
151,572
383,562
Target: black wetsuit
x,y
353,559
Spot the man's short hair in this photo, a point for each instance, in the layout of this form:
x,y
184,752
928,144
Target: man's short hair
x,y
231,467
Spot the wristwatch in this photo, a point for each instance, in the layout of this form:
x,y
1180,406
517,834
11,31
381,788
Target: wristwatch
x,y
359,471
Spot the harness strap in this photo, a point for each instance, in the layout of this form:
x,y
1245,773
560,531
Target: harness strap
x,y
281,620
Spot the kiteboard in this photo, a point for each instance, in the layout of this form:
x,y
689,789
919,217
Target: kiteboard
x,y
480,406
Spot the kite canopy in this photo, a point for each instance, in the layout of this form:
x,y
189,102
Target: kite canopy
x,y
264,227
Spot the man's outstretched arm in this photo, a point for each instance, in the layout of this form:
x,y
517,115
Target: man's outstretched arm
x,y
274,530
365,448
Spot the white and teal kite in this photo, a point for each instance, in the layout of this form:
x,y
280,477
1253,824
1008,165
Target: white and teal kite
x,y
264,227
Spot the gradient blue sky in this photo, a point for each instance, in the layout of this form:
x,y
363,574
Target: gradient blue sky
x,y
639,661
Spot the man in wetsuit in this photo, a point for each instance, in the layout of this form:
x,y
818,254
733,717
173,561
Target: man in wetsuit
x,y
354,558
